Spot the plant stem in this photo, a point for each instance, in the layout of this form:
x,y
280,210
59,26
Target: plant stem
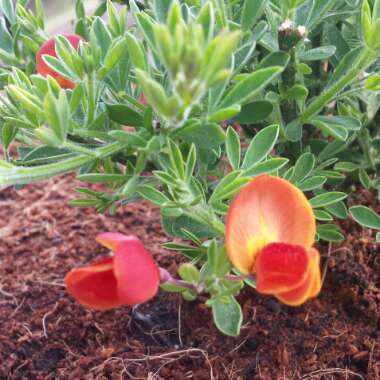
x,y
18,175
167,278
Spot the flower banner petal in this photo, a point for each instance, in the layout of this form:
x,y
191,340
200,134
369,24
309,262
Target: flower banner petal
x,y
110,240
269,209
137,273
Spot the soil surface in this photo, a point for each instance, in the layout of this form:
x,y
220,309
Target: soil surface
x,y
45,334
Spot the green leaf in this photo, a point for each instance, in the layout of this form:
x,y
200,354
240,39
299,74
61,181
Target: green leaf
x,y
6,40
293,130
189,272
319,9
329,232
365,216
260,146
8,9
249,86
254,112
364,178
224,114
334,130
57,113
303,167
228,316
266,167
151,194
323,216
326,199
177,227
297,92
102,178
202,135
176,159
312,183
100,35
228,186
344,166
277,58
252,11
161,9
318,54
114,54
373,83
125,115
136,52
233,148
129,138
58,66
206,18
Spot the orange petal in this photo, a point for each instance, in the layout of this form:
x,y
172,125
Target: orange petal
x,y
110,240
317,282
267,210
94,286
281,268
308,289
137,273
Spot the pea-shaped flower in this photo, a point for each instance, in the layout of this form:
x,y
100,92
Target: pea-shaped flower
x,y
129,277
48,48
270,232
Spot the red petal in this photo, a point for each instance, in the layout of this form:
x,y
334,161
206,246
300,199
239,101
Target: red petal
x,y
137,273
94,286
281,268
48,48
267,210
309,289
110,240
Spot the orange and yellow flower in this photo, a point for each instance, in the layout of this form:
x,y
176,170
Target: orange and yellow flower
x,y
270,232
129,277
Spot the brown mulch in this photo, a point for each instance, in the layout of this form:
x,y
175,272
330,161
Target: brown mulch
x,y
44,334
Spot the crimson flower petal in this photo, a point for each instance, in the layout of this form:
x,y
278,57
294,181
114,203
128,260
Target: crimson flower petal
x,y
309,288
136,272
281,268
94,286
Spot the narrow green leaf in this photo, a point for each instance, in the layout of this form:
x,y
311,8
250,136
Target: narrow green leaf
x,y
303,167
260,146
125,115
233,148
249,86
153,195
365,216
326,199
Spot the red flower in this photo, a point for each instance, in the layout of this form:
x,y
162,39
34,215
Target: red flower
x,y
270,233
48,48
130,277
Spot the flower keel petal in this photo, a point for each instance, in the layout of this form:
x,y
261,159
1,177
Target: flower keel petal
x,y
94,286
281,268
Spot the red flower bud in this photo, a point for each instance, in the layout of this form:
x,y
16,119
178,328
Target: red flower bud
x,y
48,48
